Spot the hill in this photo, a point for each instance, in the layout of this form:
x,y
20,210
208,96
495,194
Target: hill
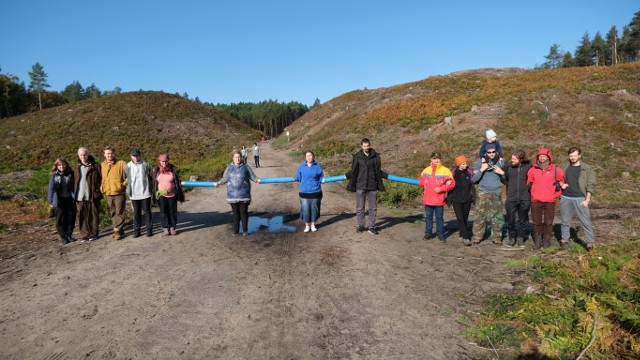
x,y
155,122
595,108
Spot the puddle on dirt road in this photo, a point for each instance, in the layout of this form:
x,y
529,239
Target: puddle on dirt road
x,y
274,224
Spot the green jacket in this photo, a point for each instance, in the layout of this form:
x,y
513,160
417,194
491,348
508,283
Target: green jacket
x,y
587,179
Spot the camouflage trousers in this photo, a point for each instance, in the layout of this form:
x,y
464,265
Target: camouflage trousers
x,y
488,210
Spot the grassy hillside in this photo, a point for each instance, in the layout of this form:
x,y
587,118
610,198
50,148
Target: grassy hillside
x,y
596,108
155,122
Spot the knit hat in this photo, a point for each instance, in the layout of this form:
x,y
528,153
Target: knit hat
x,y
461,160
491,134
135,152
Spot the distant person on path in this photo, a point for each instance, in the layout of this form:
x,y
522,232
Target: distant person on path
x,y
167,191
518,197
113,186
310,175
256,155
61,198
545,180
436,180
488,175
463,197
139,189
576,197
365,179
88,178
243,152
491,138
238,175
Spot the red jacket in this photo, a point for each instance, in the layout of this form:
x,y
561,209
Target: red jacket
x,y
542,182
436,176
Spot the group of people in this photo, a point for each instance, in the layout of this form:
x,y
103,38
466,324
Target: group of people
x,y
78,192
531,187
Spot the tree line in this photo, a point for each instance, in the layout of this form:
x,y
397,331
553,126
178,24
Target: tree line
x,y
609,50
270,117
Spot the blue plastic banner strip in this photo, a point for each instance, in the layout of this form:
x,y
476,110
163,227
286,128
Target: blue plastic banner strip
x,y
402,179
199,183
276,180
334,179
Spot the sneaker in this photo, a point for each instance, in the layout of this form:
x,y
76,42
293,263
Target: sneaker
x,y
93,238
116,236
590,246
245,234
510,242
442,240
306,229
149,233
373,231
564,244
497,241
520,243
173,231
165,231
313,228
360,229
466,242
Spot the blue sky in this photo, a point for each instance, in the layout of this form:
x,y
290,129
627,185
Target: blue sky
x,y
249,51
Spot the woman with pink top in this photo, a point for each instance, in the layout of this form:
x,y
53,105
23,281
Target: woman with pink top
x,y
167,192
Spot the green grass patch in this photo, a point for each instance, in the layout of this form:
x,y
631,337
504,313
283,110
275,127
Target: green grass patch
x,y
601,287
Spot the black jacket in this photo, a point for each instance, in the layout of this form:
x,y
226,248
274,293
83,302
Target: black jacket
x,y
366,172
516,180
463,192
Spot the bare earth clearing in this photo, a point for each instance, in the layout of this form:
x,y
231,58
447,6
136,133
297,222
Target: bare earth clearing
x,y
205,294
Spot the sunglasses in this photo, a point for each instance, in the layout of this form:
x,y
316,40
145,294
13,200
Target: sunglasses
x,y
491,152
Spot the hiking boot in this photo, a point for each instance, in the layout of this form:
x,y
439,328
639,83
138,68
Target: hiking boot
x,y
497,241
360,229
564,244
520,242
590,246
510,242
442,240
116,236
373,231
546,241
537,241
475,240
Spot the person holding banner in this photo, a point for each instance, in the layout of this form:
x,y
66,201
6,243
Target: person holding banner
x,y
310,176
237,175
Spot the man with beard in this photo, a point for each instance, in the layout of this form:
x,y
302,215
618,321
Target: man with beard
x,y
489,202
518,197
576,197
87,178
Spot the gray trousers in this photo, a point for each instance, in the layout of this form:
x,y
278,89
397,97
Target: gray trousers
x,y
370,196
569,206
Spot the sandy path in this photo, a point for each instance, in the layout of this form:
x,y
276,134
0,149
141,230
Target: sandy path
x,y
204,294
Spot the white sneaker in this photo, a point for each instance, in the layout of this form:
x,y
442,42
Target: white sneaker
x,y
306,229
313,228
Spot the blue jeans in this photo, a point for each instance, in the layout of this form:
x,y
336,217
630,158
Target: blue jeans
x,y
309,210
428,212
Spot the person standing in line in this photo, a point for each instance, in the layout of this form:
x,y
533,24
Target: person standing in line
x,y
365,179
577,193
256,155
113,187
61,199
310,176
167,190
545,181
436,180
487,174
518,197
139,188
238,175
463,197
87,178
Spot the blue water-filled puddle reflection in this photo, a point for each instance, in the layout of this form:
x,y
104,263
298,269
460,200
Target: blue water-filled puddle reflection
x,y
275,224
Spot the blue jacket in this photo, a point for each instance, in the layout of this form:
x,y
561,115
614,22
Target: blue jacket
x,y
239,186
310,177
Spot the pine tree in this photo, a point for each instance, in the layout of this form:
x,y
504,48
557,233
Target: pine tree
x,y
583,54
612,46
599,49
631,39
554,58
38,81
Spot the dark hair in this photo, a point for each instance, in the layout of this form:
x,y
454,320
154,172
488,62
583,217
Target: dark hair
x,y
365,141
59,161
574,149
521,155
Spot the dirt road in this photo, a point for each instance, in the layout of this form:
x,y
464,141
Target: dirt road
x,y
277,294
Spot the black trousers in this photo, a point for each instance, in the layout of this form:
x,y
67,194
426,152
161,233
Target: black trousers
x,y
169,210
462,216
65,216
138,207
240,213
517,218
256,160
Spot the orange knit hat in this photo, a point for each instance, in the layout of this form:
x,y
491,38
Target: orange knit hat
x,y
461,159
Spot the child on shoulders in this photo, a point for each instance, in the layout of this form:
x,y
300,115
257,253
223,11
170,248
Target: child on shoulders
x,y
491,138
